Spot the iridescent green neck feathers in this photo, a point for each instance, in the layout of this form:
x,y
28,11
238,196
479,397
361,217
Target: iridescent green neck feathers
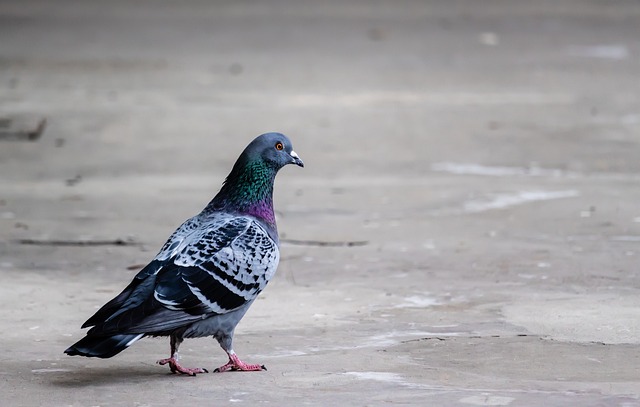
x,y
248,190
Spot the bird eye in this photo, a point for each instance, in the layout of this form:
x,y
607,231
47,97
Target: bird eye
x,y
279,146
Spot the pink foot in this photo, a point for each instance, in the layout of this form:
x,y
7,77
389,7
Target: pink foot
x,y
176,368
235,364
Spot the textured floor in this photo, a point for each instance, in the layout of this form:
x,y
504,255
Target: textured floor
x,y
466,231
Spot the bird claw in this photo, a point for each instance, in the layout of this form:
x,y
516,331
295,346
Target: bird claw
x,y
244,368
235,365
177,368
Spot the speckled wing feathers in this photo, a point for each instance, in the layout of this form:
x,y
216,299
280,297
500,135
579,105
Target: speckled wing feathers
x,y
220,268
205,268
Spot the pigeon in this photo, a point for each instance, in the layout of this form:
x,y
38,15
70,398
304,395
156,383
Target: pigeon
x,y
208,273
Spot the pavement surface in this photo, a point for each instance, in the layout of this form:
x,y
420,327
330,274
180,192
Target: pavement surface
x,y
466,231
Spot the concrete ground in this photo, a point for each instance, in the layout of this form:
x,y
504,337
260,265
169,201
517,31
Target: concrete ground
x,y
475,166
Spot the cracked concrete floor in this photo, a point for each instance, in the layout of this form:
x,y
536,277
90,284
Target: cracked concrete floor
x,y
485,152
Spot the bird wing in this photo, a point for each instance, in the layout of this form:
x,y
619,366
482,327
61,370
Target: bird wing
x,y
214,269
219,269
138,290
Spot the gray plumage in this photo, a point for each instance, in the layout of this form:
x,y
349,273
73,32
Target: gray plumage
x,y
208,273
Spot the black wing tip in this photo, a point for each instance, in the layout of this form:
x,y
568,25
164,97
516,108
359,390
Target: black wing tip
x,y
73,351
102,347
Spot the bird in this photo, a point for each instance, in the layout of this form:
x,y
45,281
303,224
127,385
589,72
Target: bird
x,y
208,273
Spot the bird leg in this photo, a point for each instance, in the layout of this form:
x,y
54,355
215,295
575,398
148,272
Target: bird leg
x,y
235,364
173,360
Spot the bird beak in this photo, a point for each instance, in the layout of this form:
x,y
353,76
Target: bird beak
x,y
296,160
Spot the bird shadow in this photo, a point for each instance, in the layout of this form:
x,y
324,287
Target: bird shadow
x,y
110,375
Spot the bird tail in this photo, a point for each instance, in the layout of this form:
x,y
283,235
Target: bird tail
x,y
102,346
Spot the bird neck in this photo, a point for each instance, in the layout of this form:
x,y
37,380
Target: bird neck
x,y
248,190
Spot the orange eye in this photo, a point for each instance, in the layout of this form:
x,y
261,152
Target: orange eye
x,y
279,146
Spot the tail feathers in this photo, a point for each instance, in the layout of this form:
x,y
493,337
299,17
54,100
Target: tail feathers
x,y
140,289
102,346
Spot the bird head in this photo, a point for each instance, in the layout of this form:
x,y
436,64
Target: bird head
x,y
275,149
